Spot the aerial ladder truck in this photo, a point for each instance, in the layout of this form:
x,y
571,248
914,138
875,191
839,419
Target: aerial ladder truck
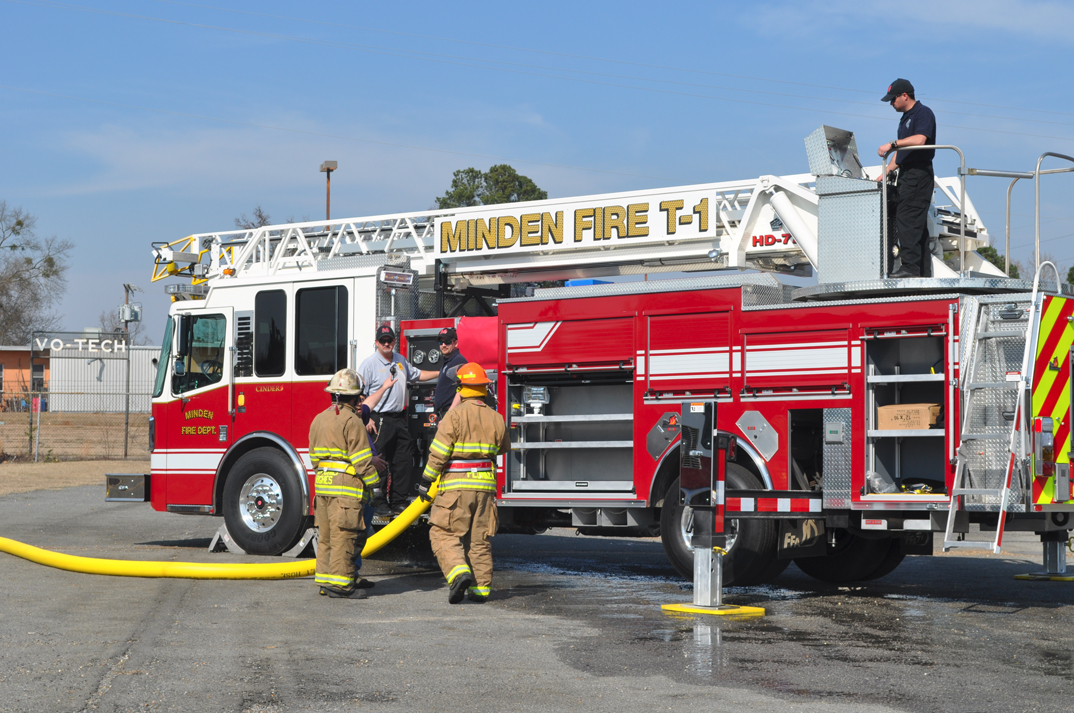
x,y
862,416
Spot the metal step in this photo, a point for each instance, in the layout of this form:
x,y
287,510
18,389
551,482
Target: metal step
x,y
998,335
984,436
969,545
1005,385
977,491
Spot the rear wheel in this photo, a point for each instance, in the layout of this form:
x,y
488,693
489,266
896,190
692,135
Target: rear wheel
x,y
751,544
851,558
263,503
896,554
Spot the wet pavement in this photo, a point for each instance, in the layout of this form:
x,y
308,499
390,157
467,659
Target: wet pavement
x,y
573,623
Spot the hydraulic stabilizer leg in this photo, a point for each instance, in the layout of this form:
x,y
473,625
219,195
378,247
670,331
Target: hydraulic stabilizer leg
x,y
704,454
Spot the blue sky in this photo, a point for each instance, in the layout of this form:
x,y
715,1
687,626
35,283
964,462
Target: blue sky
x,y
127,122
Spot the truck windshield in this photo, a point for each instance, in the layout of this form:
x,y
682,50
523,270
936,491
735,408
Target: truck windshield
x,y
204,365
165,358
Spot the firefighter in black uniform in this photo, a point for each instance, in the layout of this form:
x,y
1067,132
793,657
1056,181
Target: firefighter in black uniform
x,y
917,127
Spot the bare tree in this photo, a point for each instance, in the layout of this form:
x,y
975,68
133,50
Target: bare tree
x,y
259,220
111,324
32,276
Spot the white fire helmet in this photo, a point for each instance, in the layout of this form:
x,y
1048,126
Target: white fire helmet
x,y
346,382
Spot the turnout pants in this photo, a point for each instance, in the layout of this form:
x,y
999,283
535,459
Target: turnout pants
x,y
461,524
394,443
911,219
340,535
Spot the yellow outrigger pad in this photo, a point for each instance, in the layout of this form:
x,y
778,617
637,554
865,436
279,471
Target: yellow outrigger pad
x,y
724,610
1042,577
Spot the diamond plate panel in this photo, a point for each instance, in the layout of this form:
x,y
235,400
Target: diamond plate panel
x,y
838,461
833,152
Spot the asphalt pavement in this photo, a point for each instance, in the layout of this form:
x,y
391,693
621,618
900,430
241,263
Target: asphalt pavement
x,y
574,623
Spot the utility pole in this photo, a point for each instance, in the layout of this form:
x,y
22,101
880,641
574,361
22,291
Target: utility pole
x,y
326,168
128,315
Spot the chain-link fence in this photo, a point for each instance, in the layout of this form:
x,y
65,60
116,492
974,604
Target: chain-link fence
x,y
92,400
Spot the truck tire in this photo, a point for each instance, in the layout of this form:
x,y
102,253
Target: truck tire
x,y
896,554
263,503
850,559
751,557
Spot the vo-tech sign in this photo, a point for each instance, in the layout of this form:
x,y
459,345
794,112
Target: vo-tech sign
x,y
108,346
676,214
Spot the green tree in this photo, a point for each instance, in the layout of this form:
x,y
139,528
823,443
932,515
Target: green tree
x,y
500,184
994,257
1070,275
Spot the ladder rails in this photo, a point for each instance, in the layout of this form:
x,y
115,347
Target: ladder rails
x,y
1002,337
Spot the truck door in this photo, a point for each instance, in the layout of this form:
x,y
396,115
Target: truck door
x,y
689,352
199,430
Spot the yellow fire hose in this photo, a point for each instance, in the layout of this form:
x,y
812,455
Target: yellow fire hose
x,y
195,570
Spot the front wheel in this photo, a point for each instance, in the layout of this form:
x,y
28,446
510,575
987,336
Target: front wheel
x,y
751,544
263,503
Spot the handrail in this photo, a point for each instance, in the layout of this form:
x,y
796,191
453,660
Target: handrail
x,y
1036,280
961,203
1007,243
1036,209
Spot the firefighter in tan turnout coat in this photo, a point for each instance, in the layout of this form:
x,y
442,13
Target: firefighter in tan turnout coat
x,y
463,516
339,449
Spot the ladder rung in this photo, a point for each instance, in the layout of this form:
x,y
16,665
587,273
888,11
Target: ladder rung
x,y
968,544
1008,385
984,436
994,335
977,491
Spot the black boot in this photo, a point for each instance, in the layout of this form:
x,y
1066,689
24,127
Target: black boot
x,y
345,593
458,588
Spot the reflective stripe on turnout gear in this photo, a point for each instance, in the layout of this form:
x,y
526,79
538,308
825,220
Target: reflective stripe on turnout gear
x,y
480,591
333,580
457,571
466,475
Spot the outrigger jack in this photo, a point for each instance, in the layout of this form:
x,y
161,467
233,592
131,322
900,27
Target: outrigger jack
x,y
703,460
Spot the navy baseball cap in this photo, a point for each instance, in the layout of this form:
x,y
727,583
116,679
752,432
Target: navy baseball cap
x,y
384,331
447,335
898,87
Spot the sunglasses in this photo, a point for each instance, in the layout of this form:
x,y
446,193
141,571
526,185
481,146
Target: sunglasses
x,y
444,341
385,341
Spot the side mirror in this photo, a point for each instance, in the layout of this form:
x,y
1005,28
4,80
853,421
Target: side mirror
x,y
185,324
179,368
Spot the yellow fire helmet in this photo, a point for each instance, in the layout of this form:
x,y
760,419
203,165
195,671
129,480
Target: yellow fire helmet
x,y
346,382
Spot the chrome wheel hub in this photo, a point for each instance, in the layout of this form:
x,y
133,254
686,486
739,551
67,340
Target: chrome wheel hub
x,y
260,503
686,528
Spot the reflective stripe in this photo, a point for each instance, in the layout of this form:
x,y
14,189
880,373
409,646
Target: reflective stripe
x,y
338,491
480,591
490,448
440,448
483,464
333,580
457,570
336,466
359,456
324,452
467,484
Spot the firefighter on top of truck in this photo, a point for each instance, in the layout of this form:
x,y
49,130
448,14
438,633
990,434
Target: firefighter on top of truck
x,y
917,127
463,517
393,437
343,460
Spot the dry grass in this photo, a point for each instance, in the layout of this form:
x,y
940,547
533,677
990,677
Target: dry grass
x,y
74,436
24,477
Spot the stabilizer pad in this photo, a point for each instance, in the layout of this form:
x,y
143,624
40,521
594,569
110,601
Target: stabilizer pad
x,y
1045,577
725,610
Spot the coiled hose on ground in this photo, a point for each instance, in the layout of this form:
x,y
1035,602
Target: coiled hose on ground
x,y
196,570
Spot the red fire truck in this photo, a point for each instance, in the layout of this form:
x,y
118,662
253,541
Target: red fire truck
x,y
868,414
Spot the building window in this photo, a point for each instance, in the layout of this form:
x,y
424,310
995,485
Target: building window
x,y
1,378
270,333
37,375
320,331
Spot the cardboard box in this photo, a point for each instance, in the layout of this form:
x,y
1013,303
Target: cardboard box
x,y
906,416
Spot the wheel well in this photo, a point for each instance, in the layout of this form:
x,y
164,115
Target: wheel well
x,y
249,443
668,470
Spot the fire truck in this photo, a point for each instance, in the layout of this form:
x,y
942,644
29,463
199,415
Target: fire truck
x,y
863,415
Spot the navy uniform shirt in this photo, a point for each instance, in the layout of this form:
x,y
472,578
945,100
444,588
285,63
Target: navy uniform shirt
x,y
919,120
445,386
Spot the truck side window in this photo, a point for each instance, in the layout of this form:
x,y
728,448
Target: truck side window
x,y
164,363
270,333
204,365
321,330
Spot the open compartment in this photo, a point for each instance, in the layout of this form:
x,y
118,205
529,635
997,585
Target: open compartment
x,y
906,369
571,433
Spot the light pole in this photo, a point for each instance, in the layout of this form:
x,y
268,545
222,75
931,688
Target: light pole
x,y
326,168
128,313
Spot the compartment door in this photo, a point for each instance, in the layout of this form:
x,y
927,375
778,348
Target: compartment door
x,y
689,352
792,359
